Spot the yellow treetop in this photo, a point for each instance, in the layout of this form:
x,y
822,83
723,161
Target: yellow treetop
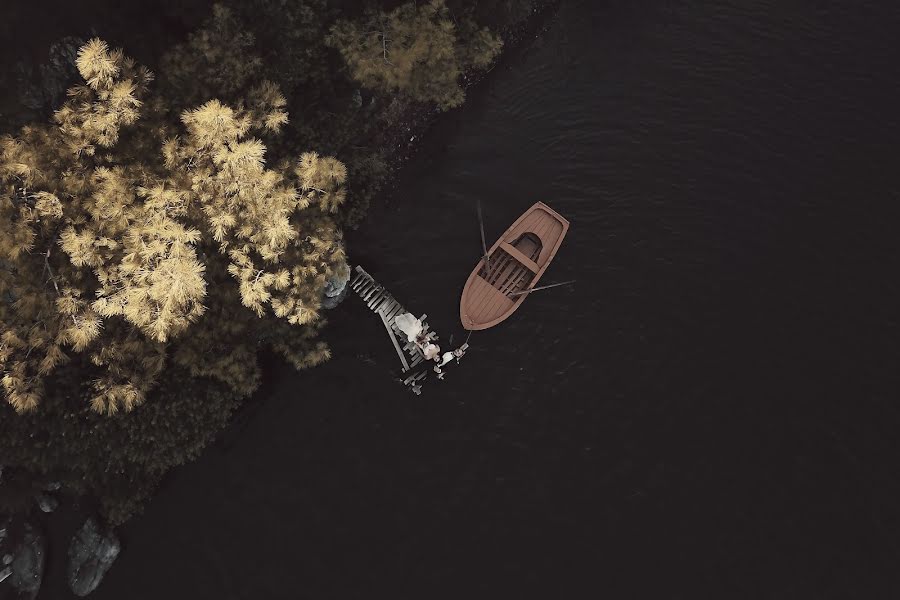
x,y
114,249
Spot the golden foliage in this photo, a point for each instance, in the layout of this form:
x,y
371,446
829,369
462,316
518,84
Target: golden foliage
x,y
322,180
268,107
111,99
131,366
95,64
112,254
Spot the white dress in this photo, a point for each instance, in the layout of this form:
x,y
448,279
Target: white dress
x,y
409,325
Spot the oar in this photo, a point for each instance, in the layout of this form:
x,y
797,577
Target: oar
x,y
543,287
487,263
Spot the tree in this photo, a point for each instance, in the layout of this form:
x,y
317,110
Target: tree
x,y
216,61
414,49
119,229
290,36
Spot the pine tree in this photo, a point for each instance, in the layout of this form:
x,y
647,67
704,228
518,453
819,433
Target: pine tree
x,y
215,61
414,49
119,228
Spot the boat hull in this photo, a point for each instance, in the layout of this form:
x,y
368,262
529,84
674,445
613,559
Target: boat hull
x,y
515,264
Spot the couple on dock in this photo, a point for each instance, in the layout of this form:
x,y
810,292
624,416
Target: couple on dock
x,y
414,330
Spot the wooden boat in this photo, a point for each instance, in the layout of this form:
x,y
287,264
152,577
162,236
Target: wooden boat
x,y
515,264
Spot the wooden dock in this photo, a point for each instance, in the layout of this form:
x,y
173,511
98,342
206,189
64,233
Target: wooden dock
x,y
382,303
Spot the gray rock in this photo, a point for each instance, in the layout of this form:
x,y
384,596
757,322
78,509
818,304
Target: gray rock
x,y
47,503
357,100
336,288
91,554
7,559
329,302
28,563
53,486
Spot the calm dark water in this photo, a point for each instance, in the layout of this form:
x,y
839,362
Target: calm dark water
x,y
712,411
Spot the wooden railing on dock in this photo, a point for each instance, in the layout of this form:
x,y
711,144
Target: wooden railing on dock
x,y
381,302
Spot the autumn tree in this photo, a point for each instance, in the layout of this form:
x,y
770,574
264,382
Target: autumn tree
x,y
120,228
416,49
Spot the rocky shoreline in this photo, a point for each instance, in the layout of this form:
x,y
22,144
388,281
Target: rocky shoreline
x,y
25,540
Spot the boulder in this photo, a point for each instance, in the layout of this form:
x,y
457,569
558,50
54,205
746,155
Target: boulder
x,y
336,287
47,503
91,554
27,567
357,100
6,560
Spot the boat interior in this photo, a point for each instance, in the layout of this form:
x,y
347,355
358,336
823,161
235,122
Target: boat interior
x,y
512,267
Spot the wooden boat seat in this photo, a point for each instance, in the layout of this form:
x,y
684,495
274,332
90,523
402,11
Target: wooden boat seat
x,y
516,254
489,302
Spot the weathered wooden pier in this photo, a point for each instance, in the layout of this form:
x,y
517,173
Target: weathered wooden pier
x,y
382,303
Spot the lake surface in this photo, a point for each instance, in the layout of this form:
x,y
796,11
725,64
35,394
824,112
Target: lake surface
x,y
712,411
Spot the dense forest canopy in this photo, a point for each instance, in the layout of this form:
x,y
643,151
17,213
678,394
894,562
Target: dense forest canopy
x,y
111,249
158,231
415,49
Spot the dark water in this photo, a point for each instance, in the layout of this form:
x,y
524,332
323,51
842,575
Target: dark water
x,y
710,413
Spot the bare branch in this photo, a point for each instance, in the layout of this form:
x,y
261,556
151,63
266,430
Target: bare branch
x,y
49,270
384,50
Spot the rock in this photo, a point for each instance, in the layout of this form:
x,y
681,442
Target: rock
x,y
28,563
336,287
4,528
47,503
329,302
7,559
91,554
53,486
